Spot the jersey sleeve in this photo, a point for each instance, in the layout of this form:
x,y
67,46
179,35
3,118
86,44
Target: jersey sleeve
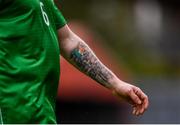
x,y
58,17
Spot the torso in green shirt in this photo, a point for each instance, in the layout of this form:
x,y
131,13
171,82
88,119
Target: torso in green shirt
x,y
29,60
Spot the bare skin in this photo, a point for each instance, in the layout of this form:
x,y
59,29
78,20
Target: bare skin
x,y
78,53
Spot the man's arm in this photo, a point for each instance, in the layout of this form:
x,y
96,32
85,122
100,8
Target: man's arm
x,y
77,52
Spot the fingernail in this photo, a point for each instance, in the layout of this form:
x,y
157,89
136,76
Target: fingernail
x,y
133,113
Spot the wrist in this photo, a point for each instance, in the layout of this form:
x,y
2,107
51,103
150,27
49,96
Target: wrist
x,y
115,82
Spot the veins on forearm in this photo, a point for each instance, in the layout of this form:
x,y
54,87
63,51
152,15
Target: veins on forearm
x,y
87,62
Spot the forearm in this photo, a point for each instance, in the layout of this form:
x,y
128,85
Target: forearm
x,y
77,52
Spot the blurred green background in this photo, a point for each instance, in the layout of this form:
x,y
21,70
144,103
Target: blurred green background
x,y
143,36
135,30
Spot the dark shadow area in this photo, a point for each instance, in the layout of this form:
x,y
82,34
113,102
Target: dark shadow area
x,y
89,113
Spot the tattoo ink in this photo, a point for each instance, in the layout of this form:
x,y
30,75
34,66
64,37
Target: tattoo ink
x,y
85,60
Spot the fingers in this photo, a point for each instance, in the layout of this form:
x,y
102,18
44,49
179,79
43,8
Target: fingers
x,y
135,98
134,111
143,97
139,109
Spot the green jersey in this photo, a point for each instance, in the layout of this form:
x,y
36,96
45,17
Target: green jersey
x,y
29,60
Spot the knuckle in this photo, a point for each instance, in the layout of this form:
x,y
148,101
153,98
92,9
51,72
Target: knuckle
x,y
139,89
129,90
146,96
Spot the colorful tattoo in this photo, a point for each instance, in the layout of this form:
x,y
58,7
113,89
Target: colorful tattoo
x,y
85,60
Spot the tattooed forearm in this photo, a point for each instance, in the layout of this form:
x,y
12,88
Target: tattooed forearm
x,y
87,62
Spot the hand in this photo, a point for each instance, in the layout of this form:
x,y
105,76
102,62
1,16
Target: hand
x,y
132,95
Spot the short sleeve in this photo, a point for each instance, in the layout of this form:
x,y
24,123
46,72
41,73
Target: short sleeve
x,y
58,17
